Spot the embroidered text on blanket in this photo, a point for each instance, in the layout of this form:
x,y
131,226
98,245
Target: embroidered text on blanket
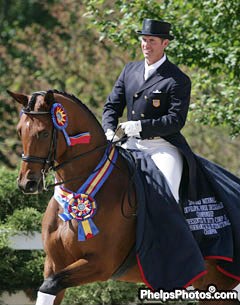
x,y
206,214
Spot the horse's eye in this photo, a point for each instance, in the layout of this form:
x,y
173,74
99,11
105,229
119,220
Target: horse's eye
x,y
44,134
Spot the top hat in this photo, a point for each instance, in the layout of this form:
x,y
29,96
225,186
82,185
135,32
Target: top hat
x,y
156,28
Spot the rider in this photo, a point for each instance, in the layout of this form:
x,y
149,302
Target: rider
x,y
157,95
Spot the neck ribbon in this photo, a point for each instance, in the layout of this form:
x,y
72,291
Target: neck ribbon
x,y
81,205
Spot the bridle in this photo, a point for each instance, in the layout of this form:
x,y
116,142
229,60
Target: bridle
x,y
49,162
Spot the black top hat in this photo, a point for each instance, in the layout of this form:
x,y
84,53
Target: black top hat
x,y
156,28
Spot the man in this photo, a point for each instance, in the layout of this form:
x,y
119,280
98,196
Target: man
x,y
157,107
156,94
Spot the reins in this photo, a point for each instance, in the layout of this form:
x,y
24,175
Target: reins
x,y
50,160
77,157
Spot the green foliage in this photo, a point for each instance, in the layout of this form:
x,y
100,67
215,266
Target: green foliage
x,y
38,55
3,237
106,293
11,199
25,220
206,40
20,270
206,31
119,22
218,104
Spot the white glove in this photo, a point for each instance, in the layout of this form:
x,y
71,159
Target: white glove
x,y
110,135
132,128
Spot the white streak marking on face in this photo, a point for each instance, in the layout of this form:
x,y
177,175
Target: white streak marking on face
x,y
28,124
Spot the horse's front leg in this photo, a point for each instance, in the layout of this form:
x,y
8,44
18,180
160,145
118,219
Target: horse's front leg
x,y
50,269
80,272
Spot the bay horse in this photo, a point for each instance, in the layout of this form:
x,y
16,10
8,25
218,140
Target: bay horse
x,y
48,143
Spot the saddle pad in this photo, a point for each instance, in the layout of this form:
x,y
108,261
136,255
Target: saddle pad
x,y
173,240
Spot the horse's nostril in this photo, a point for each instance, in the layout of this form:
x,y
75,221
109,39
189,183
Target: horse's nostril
x,y
31,186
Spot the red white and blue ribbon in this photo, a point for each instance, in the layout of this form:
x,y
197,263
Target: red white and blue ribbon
x,y
60,122
81,205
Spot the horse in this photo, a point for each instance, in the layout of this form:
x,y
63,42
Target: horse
x,y
48,144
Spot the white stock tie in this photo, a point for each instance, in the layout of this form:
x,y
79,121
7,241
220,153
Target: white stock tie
x,y
148,72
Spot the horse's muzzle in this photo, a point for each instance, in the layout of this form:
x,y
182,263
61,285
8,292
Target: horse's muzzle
x,y
30,186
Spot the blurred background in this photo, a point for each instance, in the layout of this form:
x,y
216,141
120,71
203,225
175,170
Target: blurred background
x,y
80,47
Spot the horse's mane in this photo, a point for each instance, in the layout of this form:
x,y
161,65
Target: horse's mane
x,y
72,97
75,99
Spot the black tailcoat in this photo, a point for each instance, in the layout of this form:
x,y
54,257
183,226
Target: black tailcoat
x,y
161,102
210,196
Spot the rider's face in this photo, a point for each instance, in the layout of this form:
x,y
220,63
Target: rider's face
x,y
153,48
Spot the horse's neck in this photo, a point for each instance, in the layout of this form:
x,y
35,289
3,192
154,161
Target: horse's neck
x,y
76,172
90,154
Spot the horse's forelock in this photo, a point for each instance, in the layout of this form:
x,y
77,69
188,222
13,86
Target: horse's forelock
x,y
33,99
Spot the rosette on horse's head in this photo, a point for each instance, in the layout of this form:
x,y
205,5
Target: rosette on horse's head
x,y
43,113
60,121
42,118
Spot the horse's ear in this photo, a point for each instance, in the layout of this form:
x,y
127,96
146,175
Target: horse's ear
x,y
49,97
20,98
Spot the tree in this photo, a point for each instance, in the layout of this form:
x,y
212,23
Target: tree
x,y
46,45
81,48
207,44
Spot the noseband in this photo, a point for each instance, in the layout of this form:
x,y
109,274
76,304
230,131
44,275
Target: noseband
x,y
49,160
51,154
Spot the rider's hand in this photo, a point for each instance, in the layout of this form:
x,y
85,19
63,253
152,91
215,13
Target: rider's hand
x,y
132,128
111,136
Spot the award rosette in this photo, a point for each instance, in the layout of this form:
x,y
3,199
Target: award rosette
x,y
82,208
81,205
60,122
59,116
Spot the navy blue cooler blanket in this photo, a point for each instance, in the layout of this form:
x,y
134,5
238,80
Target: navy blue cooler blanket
x,y
173,240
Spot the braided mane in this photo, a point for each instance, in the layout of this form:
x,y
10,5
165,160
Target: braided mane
x,y
75,99
32,102
72,97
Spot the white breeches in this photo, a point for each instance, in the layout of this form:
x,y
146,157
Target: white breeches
x,y
166,157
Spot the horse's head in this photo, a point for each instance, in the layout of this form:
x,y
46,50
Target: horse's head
x,y
35,129
42,117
